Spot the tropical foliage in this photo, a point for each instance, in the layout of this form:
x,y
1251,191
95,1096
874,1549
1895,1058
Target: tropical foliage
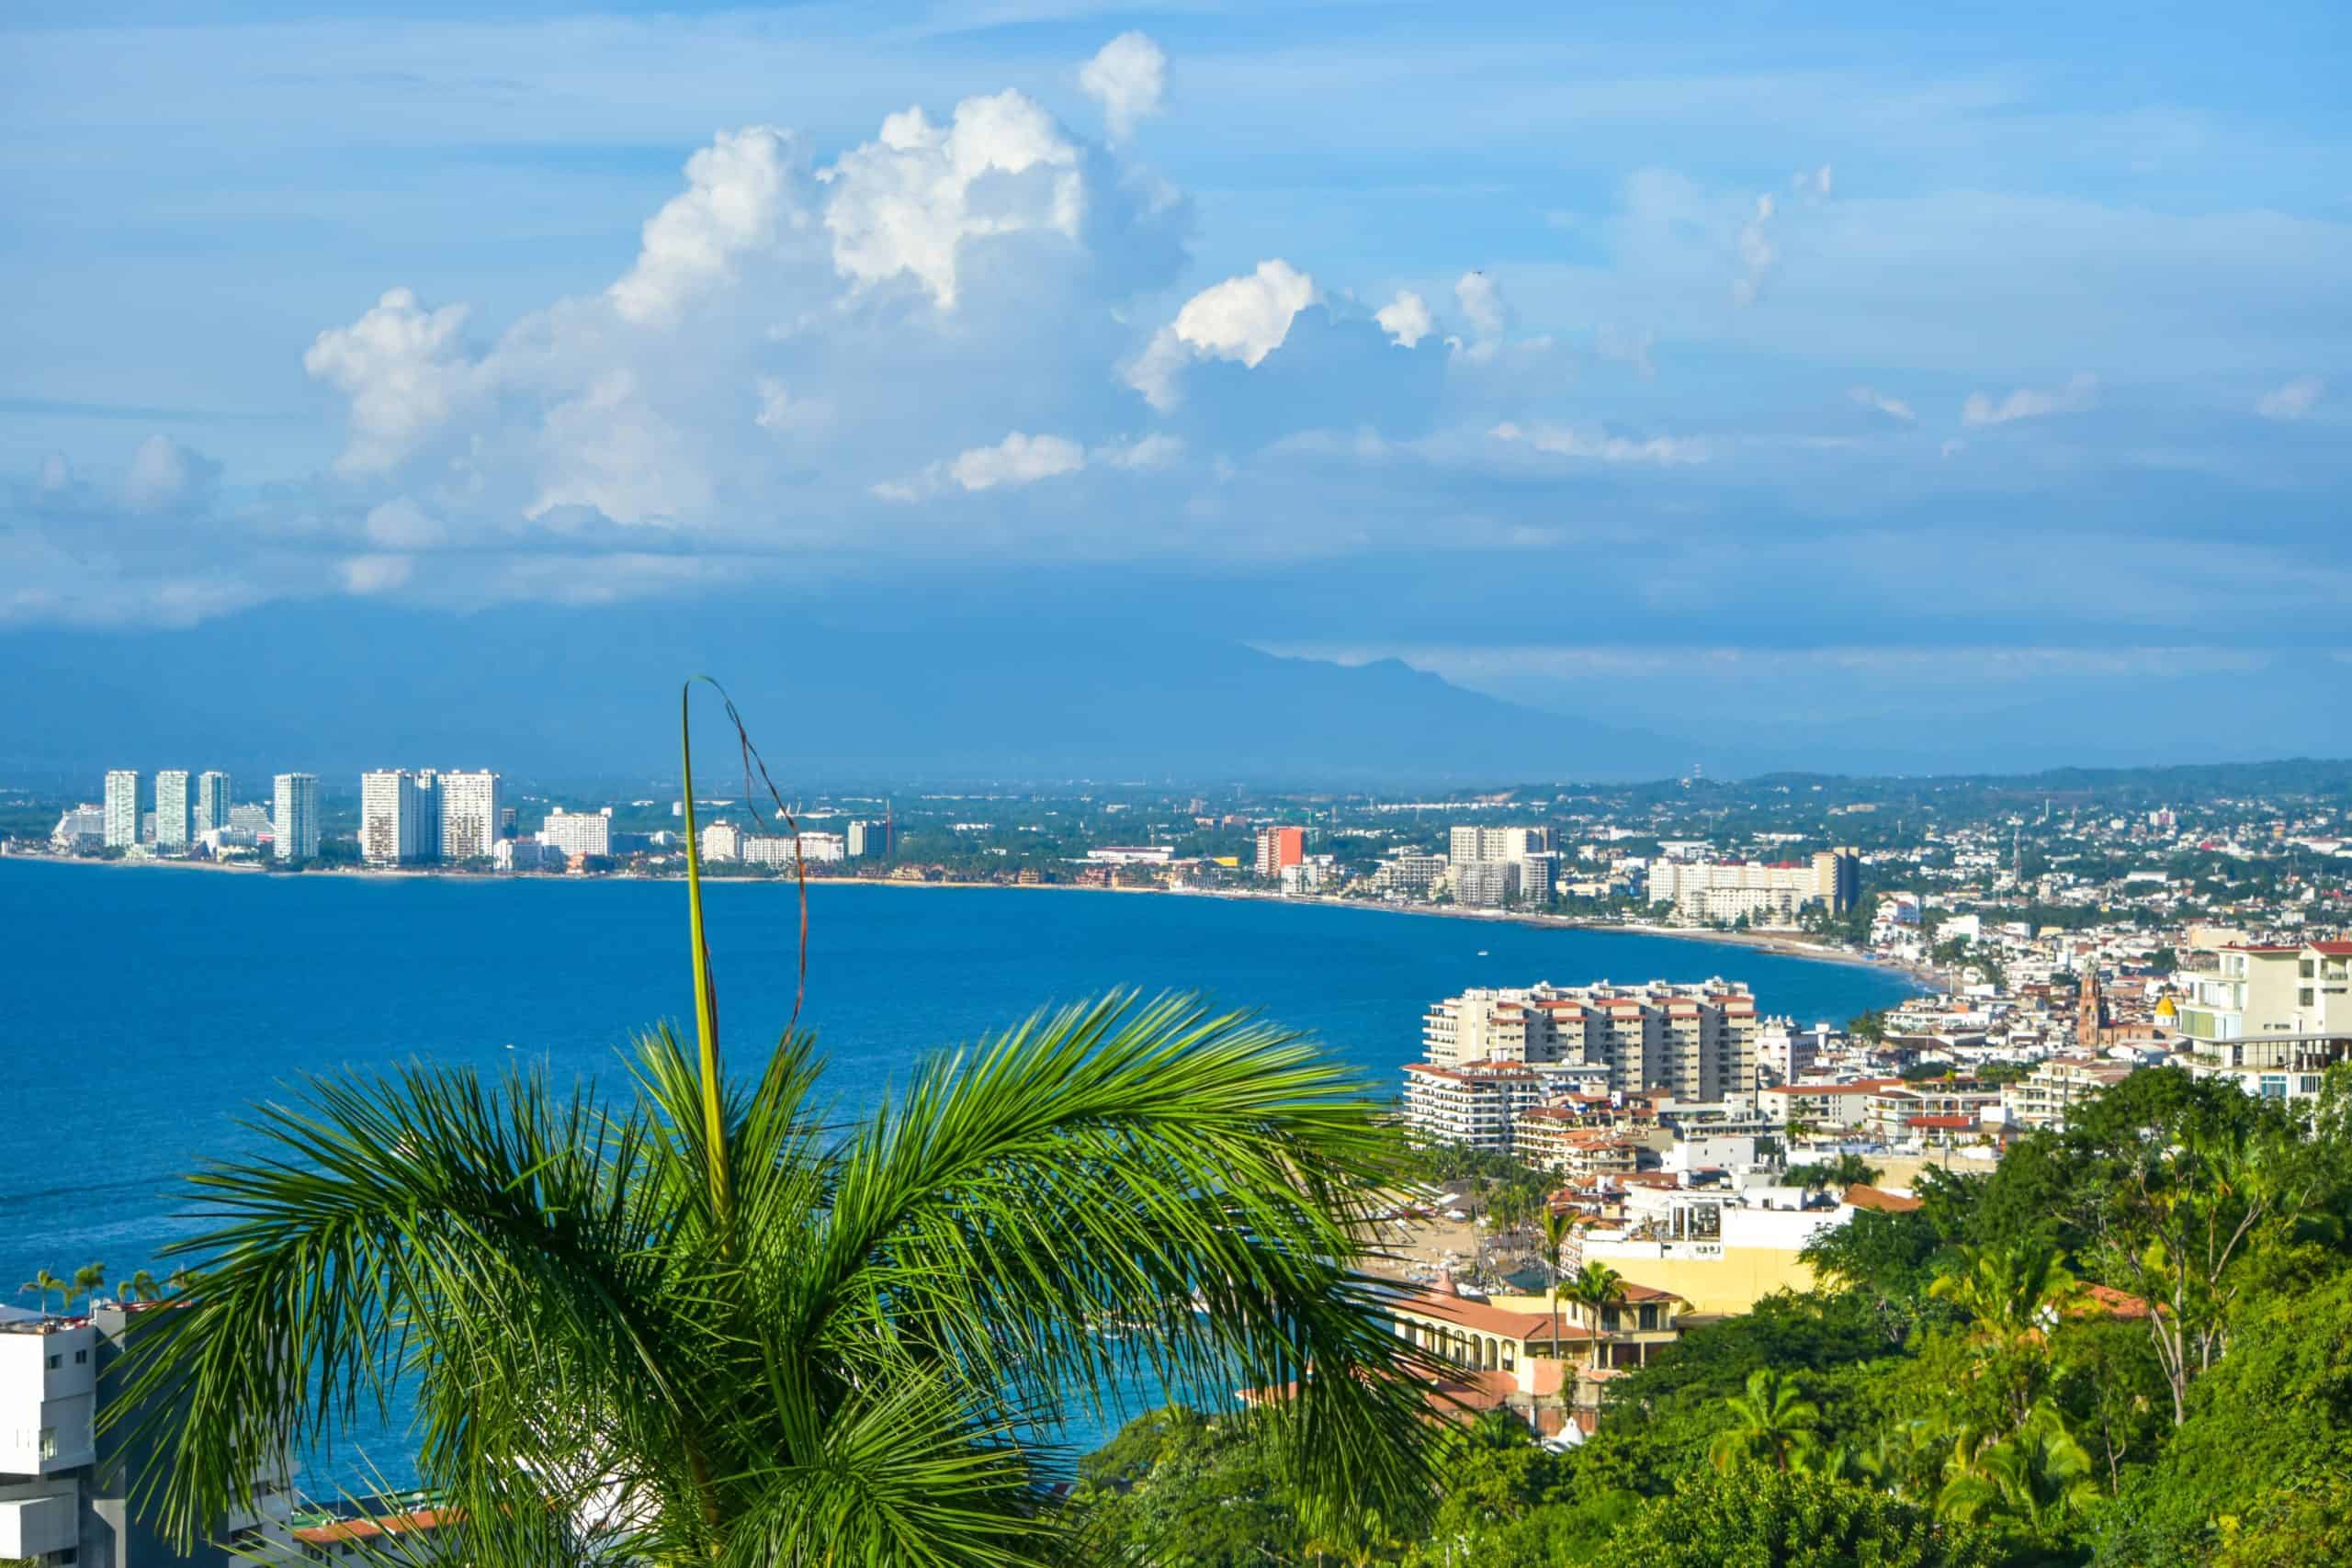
x,y
2129,1345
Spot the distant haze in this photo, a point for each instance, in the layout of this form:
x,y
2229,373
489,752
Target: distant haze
x,y
562,692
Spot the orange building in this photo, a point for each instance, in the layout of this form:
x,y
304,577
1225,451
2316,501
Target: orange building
x,y
1279,847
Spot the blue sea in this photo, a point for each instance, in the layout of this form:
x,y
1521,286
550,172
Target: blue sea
x,y
145,1009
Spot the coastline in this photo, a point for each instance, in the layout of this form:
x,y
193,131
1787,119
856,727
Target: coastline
x,y
1779,944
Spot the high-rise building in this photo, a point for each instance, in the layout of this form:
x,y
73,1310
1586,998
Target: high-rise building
x,y
1279,847
122,809
294,817
1478,856
391,817
1698,1042
579,833
469,815
211,801
172,809
864,838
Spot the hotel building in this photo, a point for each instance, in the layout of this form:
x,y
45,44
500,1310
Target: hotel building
x,y
122,809
391,817
1279,847
171,810
294,817
469,815
1725,890
578,832
211,801
1696,1041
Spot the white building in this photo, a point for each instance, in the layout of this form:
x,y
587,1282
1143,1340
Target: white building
x,y
211,800
80,826
866,838
1494,866
294,817
391,817
469,815
1409,876
823,848
1725,890
1698,1041
722,840
122,809
1476,1103
67,1476
579,833
172,809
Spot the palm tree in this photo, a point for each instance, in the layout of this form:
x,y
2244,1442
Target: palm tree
x,y
1558,1224
1850,1169
2008,1293
86,1282
44,1281
693,1322
2034,1479
1773,1423
141,1287
1594,1287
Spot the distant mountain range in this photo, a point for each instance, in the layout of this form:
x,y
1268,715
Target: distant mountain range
x,y
576,692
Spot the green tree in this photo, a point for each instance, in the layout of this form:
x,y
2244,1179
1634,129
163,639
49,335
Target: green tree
x,y
43,1283
1595,1287
88,1280
1774,1423
2035,1483
1558,1225
1756,1517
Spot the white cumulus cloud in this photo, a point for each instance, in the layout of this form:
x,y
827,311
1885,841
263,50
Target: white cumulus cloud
x,y
1406,318
1128,77
404,370
740,193
2293,400
904,204
2028,402
1242,319
164,476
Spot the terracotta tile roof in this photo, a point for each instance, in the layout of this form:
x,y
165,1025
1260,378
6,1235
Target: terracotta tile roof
x,y
1864,1197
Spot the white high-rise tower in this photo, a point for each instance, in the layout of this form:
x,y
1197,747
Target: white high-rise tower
x,y
171,810
294,821
468,815
391,817
122,809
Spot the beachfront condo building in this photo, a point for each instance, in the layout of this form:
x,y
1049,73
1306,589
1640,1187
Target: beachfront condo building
x,y
294,817
211,801
172,809
1725,890
1494,867
122,809
392,812
469,815
1695,1042
578,832
1279,847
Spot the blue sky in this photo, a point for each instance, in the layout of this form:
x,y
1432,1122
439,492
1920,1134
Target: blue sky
x,y
1743,363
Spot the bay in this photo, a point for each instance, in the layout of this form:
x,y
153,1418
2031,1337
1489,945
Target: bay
x,y
144,1009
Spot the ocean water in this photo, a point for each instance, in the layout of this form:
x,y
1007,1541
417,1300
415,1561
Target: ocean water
x,y
142,1011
